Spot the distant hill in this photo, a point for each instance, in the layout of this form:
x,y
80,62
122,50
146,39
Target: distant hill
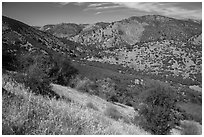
x,y
130,31
139,29
153,44
165,47
64,29
69,30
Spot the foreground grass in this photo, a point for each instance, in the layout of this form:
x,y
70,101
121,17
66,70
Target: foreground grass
x,y
26,113
192,109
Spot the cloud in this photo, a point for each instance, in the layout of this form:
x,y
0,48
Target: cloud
x,y
79,3
75,3
98,13
63,3
169,9
101,7
97,4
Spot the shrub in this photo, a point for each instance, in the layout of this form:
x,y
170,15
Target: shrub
x,y
36,78
38,70
157,110
106,89
33,68
113,113
62,71
83,85
92,106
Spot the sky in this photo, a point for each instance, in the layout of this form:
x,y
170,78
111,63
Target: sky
x,y
42,13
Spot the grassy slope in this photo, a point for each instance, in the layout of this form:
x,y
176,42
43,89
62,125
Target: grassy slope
x,y
25,113
99,71
192,109
102,105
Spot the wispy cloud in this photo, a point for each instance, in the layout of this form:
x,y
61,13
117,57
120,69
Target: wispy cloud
x,y
63,3
171,9
79,3
163,9
98,13
97,4
75,3
102,7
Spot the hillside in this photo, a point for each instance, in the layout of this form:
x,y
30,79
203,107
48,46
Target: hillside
x,y
160,46
19,38
109,78
27,114
64,29
22,35
128,31
138,30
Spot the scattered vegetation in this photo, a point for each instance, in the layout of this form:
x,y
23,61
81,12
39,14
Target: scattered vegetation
x,y
83,84
92,106
113,113
24,113
31,54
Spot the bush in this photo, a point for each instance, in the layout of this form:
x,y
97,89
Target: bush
x,y
62,71
157,110
106,89
83,84
92,106
39,70
113,113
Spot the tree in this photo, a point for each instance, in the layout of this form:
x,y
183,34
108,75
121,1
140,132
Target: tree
x,y
39,70
157,110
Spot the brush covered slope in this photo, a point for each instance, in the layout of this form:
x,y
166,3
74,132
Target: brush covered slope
x,y
166,48
18,34
117,81
163,47
33,112
19,38
64,29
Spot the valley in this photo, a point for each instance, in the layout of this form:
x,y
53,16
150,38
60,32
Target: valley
x,y
142,73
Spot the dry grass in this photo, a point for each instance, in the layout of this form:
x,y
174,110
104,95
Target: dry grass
x,y
85,98
192,109
92,106
25,113
113,113
191,128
